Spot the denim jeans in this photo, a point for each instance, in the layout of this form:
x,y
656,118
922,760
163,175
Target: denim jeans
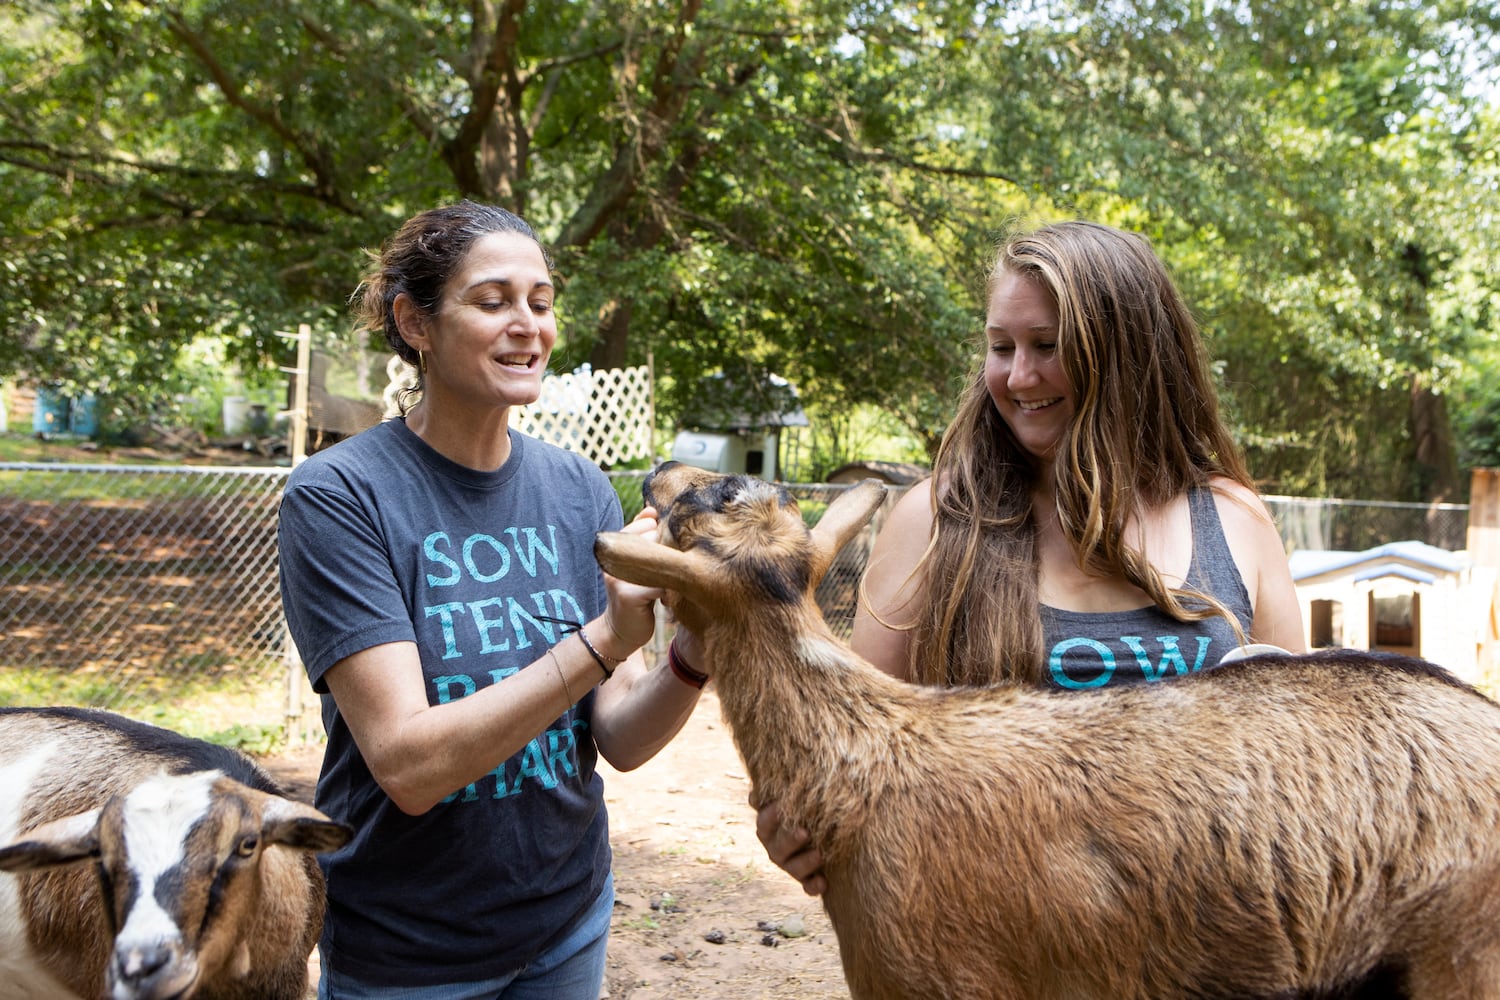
x,y
572,969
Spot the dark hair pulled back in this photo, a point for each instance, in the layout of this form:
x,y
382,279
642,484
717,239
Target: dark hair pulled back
x,y
421,258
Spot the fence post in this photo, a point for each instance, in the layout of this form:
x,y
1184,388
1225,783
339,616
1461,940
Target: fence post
x,y
1483,542
650,408
297,424
297,431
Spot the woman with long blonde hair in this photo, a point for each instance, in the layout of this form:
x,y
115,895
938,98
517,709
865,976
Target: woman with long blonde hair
x,y
1089,520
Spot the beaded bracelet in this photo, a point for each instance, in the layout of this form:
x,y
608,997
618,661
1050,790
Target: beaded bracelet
x,y
569,627
685,673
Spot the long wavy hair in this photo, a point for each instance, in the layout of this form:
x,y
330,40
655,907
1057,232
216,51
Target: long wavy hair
x,y
420,260
1147,428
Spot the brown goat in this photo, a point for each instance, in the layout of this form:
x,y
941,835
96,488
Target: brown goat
x,y
1313,826
200,879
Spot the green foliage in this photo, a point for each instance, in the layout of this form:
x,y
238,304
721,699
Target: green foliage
x,y
258,740
865,432
628,489
755,186
1477,412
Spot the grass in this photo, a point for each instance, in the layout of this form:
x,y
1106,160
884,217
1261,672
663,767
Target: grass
x,y
240,711
15,447
641,923
222,478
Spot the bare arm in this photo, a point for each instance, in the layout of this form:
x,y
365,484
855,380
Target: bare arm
x,y
420,753
639,711
892,582
1260,555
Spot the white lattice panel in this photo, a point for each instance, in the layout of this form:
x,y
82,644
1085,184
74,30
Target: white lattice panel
x,y
604,415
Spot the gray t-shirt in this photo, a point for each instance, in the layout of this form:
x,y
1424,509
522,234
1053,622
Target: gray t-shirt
x,y
382,539
1091,650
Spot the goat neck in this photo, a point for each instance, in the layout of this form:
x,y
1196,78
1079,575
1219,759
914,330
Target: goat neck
x,y
804,710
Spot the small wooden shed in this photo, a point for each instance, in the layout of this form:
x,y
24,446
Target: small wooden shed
x,y
1404,597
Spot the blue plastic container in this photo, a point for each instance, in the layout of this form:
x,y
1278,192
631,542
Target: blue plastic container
x,y
83,416
53,412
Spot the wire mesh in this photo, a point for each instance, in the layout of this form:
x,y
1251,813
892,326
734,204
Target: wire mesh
x,y
1356,525
145,589
152,590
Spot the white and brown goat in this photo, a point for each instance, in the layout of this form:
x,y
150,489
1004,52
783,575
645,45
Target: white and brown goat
x,y
1321,826
145,865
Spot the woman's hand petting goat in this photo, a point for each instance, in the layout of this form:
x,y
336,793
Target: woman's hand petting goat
x,y
1090,519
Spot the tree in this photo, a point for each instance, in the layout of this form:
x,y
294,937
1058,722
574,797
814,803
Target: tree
x,y
201,168
805,187
1299,164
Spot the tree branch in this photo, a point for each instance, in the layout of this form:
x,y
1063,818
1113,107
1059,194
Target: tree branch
x,y
312,154
71,159
619,183
492,66
72,165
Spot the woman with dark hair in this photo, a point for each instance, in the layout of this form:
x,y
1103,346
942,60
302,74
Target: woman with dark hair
x,y
1089,520
439,580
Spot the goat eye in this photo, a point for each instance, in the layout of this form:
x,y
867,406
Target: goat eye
x,y
247,845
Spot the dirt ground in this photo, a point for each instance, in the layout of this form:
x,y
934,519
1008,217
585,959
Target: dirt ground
x,y
699,912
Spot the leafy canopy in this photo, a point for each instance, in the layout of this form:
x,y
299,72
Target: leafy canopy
x,y
805,188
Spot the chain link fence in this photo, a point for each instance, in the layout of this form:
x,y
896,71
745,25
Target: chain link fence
x,y
153,590
1357,525
148,590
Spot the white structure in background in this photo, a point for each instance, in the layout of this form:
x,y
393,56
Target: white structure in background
x,y
607,415
1402,597
735,425
399,377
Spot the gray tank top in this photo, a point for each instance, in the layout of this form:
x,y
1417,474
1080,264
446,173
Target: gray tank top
x,y
1090,650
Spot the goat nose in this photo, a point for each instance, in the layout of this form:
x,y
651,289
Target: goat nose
x,y
651,478
135,972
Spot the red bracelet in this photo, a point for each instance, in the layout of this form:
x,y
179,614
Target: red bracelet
x,y
685,673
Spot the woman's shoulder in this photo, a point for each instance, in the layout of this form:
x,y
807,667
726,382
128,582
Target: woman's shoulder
x,y
915,505
548,455
1248,529
363,454
566,469
1238,505
569,474
899,547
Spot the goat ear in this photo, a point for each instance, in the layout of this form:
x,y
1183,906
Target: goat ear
x,y
241,964
294,824
59,842
649,564
850,511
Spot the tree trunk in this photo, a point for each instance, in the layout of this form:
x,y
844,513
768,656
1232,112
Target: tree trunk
x,y
612,336
1434,462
